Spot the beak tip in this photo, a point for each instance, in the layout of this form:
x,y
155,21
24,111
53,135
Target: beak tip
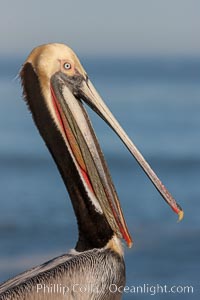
x,y
178,210
180,215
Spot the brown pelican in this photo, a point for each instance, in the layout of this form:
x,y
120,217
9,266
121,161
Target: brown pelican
x,y
54,86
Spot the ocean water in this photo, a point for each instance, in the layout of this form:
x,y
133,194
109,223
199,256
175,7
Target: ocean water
x,y
157,101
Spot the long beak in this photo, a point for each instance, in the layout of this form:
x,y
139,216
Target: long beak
x,y
86,153
92,98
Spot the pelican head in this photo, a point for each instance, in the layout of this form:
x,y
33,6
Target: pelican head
x,y
55,87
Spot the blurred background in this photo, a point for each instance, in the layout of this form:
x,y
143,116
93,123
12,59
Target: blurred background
x,y
144,59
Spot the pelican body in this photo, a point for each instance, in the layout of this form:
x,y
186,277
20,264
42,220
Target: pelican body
x,y
54,87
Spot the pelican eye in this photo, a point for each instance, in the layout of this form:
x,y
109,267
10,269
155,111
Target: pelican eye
x,y
67,66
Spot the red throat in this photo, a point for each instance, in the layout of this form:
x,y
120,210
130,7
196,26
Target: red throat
x,y
70,138
66,129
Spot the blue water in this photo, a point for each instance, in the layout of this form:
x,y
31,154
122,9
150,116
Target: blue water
x,y
158,103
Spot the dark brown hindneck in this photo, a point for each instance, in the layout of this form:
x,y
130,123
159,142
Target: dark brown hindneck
x,y
94,230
